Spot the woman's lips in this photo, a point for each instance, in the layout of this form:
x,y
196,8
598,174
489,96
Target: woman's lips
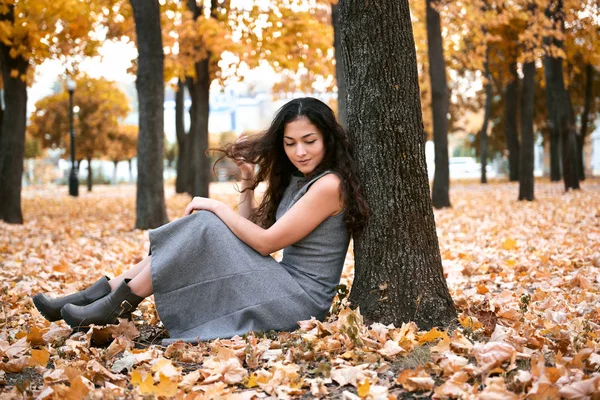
x,y
303,162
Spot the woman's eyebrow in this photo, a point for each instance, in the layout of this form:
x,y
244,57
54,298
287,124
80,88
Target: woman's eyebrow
x,y
308,134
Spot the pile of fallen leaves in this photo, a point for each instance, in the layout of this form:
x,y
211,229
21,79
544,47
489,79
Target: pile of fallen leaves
x,y
524,277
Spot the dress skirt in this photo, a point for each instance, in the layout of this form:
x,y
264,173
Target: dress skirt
x,y
209,284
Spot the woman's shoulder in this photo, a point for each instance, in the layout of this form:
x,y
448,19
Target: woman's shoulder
x,y
327,184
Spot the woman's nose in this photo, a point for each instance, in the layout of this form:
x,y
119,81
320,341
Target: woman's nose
x,y
300,150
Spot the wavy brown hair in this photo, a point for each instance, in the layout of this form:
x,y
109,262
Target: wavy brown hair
x,y
266,150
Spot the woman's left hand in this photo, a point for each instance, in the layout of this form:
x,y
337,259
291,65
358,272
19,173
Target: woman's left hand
x,y
201,203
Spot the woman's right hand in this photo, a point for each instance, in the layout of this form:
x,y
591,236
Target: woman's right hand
x,y
247,169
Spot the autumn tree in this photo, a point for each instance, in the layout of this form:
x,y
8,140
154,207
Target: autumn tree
x,y
102,105
399,273
151,210
440,99
30,33
294,40
122,146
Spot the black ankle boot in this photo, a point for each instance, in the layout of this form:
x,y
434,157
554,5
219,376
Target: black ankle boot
x,y
104,311
50,308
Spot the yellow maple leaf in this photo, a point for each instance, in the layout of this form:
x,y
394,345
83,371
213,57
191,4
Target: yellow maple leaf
x,y
432,335
39,357
144,382
364,388
166,387
509,244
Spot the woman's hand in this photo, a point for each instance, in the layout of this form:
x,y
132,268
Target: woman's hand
x,y
202,203
246,168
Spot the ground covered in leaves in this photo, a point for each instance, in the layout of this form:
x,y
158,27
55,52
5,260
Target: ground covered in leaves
x,y
524,277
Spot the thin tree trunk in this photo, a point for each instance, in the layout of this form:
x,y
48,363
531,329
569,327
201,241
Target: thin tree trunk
x,y
90,175
589,79
439,105
339,68
569,146
114,180
182,137
399,274
510,125
551,69
200,162
526,181
151,211
12,131
130,161
483,138
198,141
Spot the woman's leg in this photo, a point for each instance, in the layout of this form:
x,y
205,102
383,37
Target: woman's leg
x,y
141,284
131,273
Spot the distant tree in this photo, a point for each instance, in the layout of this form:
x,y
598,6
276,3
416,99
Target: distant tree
x,y
151,210
440,99
102,105
399,274
122,145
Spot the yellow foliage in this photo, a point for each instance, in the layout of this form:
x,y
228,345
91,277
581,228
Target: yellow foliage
x,y
102,105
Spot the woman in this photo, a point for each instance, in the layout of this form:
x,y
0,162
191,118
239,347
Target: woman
x,y
211,273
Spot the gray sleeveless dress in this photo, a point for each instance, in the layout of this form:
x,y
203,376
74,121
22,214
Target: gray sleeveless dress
x,y
209,284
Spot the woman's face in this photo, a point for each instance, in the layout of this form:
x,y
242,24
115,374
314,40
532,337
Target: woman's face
x,y
303,144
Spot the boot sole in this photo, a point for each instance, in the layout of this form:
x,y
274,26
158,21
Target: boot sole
x,y
40,307
80,327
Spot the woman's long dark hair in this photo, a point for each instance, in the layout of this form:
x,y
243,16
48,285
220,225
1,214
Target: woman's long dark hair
x,y
266,150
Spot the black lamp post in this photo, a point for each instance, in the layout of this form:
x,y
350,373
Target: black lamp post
x,y
73,181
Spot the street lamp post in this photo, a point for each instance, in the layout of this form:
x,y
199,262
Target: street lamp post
x,y
73,180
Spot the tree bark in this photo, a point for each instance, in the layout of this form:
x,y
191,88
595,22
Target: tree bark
x,y
555,114
12,131
526,191
483,138
182,141
398,276
439,105
510,125
589,79
90,175
130,161
339,68
151,211
114,180
198,136
199,172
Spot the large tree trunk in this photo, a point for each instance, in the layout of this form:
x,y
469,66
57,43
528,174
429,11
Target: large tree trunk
x,y
527,143
483,138
150,202
439,104
339,67
90,177
510,125
12,132
399,274
183,166
587,105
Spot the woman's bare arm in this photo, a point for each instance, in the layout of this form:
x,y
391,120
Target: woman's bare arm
x,y
320,202
247,203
